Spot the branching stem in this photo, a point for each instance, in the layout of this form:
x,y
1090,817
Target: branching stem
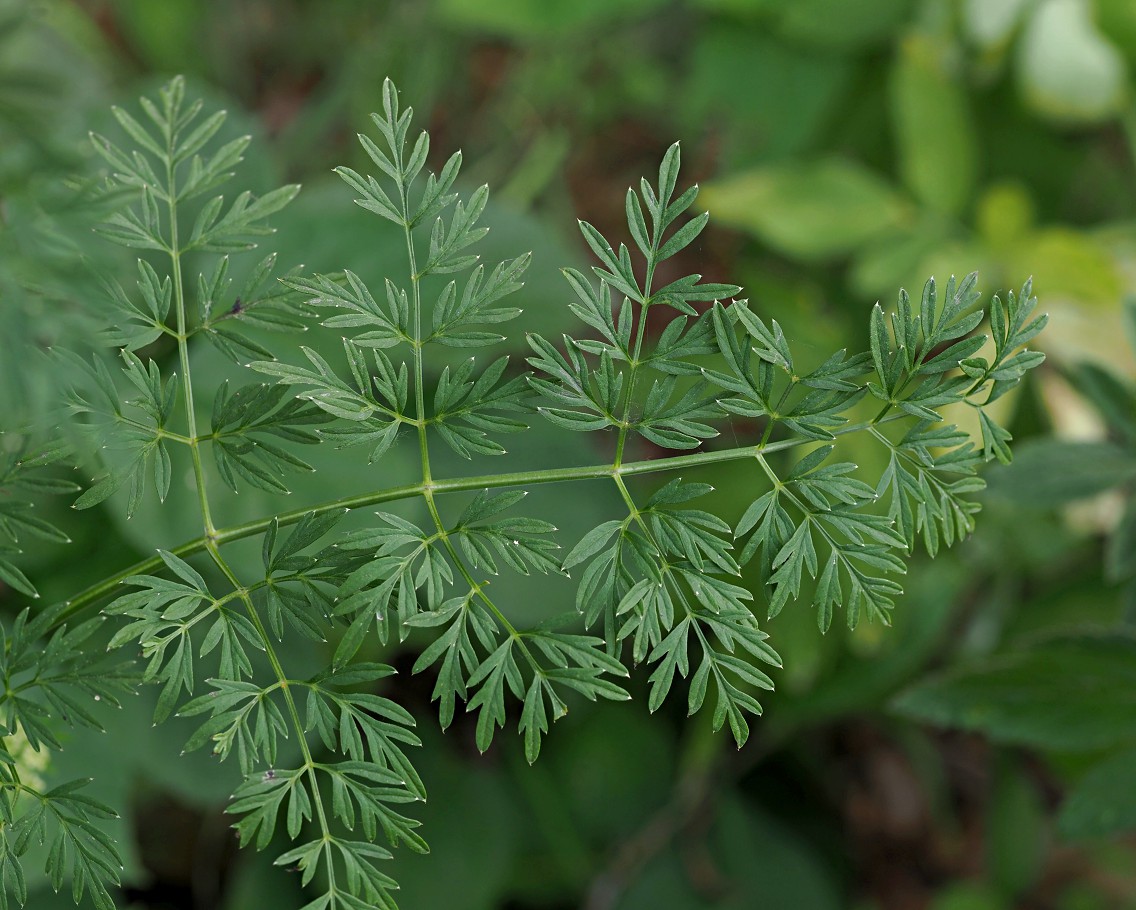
x,y
284,684
192,437
221,536
209,540
633,365
427,488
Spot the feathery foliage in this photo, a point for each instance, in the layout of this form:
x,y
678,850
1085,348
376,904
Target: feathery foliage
x,y
660,583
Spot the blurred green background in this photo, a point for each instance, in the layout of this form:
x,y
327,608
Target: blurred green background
x,y
976,756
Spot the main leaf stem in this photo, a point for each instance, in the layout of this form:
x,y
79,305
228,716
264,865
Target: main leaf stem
x,y
427,488
209,540
192,437
637,349
284,684
101,589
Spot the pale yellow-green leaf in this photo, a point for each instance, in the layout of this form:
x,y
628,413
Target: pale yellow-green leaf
x,y
1069,263
1004,213
989,23
1067,69
811,211
933,131
1079,277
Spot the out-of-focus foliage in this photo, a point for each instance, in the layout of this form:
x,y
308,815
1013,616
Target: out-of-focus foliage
x,y
1067,690
957,134
46,87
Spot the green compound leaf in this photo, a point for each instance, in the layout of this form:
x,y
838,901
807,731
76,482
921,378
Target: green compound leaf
x,y
326,756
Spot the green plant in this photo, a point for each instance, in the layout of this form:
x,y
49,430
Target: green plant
x,y
322,753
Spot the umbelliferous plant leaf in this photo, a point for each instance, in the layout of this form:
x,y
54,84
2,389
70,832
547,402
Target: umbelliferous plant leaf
x,y
325,759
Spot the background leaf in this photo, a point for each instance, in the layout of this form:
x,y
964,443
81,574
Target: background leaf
x,y
1023,696
814,211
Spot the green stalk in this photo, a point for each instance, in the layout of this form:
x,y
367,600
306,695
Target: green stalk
x,y
427,487
221,536
633,363
192,438
284,684
209,540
